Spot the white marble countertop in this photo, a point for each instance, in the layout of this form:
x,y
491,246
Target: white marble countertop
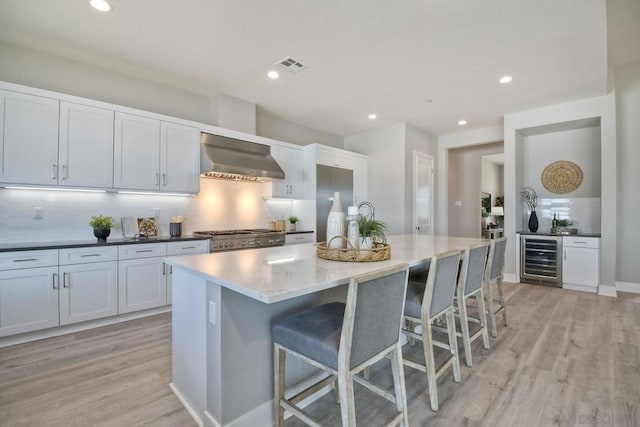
x,y
276,274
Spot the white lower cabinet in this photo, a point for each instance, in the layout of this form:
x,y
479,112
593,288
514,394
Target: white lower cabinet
x,y
581,263
28,300
190,247
142,284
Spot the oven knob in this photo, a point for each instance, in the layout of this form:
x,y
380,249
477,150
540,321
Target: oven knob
x,y
214,245
231,244
244,243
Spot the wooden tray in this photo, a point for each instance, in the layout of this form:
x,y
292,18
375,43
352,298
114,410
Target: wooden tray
x,y
381,252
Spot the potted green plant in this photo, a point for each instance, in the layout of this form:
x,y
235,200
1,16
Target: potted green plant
x,y
102,226
371,231
292,220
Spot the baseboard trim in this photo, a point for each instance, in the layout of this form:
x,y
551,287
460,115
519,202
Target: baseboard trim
x,y
628,287
510,277
581,288
78,327
188,407
607,291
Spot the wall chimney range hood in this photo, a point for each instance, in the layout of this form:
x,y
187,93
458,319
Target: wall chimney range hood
x,y
228,158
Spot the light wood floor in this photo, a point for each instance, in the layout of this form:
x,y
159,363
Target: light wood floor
x,y
567,358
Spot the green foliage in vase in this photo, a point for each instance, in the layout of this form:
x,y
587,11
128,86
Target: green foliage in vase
x,y
293,219
373,228
101,221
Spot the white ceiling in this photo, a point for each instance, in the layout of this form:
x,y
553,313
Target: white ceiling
x,y
384,56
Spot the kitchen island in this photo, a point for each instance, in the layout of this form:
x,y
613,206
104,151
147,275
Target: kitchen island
x,y
224,305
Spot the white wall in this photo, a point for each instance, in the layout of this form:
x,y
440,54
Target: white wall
x,y
274,127
602,108
628,115
234,113
386,150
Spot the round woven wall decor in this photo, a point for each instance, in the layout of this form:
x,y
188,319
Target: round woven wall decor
x,y
561,177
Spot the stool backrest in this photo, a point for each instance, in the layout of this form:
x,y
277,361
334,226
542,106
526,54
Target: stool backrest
x,y
495,263
441,283
473,267
373,314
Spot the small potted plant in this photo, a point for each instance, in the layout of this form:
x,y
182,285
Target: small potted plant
x,y
371,232
102,226
292,220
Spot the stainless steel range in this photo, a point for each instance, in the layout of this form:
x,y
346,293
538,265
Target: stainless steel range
x,y
228,240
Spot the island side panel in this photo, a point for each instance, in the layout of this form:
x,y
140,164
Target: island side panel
x,y
246,368
189,314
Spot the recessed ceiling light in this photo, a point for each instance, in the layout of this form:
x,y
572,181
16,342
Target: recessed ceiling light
x,y
462,122
505,79
372,116
101,5
273,75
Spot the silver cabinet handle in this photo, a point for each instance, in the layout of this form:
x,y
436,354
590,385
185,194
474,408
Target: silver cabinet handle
x,y
25,260
565,255
581,242
157,178
65,173
189,247
55,280
54,172
65,280
164,179
89,255
145,250
171,269
164,269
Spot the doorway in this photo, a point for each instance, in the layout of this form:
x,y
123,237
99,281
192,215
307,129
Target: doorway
x,y
422,193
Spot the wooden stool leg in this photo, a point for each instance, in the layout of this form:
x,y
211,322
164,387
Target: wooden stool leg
x,y
399,385
482,313
347,398
464,328
491,314
427,344
453,343
278,370
503,305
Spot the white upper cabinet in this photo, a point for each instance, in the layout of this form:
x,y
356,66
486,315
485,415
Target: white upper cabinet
x,y
136,152
179,158
290,160
29,142
86,146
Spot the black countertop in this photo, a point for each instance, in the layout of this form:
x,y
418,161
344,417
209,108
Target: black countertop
x,y
542,233
10,247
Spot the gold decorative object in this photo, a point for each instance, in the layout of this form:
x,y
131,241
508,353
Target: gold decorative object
x,y
562,177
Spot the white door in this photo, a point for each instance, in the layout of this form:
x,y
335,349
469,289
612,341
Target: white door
x,y
179,158
28,300
86,146
136,162
29,151
142,284
423,193
88,291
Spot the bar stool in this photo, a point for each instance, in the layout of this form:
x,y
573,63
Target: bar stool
x,y
494,271
343,339
470,284
435,302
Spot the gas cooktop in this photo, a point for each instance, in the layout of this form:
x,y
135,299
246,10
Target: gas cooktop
x,y
226,240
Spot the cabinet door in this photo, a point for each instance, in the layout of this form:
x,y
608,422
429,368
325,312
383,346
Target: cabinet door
x,y
179,158
290,160
580,266
88,291
360,180
28,300
86,146
142,284
29,151
136,152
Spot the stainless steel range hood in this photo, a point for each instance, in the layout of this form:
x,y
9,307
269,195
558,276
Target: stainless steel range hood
x,y
229,158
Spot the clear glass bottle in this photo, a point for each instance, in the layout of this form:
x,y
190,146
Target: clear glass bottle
x,y
353,229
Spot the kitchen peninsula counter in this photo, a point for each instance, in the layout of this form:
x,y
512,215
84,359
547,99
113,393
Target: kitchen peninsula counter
x,y
224,305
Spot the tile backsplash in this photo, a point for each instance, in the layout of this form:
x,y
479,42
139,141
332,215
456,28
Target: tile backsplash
x,y
583,212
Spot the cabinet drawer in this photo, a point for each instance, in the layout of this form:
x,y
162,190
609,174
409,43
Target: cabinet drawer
x,y
86,255
28,259
292,239
581,242
330,158
188,247
142,250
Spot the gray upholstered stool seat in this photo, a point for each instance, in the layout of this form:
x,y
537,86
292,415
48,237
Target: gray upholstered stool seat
x,y
314,332
413,303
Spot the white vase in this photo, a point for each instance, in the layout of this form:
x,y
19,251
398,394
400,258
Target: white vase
x,y
366,243
335,223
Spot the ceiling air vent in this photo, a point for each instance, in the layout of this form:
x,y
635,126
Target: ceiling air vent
x,y
290,64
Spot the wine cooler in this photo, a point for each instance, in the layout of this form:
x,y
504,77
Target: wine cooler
x,y
541,260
